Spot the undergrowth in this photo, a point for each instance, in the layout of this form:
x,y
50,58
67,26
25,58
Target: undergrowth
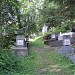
x,y
35,61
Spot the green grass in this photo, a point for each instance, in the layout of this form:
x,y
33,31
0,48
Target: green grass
x,y
41,61
38,42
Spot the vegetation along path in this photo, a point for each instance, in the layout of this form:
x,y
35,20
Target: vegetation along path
x,y
49,62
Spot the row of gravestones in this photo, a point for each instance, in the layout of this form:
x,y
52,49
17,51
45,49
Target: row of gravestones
x,y
56,40
21,46
67,39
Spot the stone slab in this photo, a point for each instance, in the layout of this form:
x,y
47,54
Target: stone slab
x,y
72,58
20,51
19,48
66,50
55,43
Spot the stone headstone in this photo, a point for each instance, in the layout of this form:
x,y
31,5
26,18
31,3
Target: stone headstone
x,y
53,36
44,29
66,48
66,40
72,34
20,49
20,40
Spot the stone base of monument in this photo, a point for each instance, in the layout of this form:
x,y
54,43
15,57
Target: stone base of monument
x,y
66,50
20,51
72,58
73,40
55,43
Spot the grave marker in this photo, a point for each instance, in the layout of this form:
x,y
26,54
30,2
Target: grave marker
x,y
20,49
20,40
66,48
66,40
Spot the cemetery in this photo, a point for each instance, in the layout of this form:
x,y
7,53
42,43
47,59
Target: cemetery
x,y
65,41
37,37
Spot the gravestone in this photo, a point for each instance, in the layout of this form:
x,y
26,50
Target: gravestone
x,y
72,34
66,40
19,49
20,41
67,47
44,29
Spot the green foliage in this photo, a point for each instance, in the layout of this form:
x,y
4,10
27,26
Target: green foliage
x,y
41,60
8,62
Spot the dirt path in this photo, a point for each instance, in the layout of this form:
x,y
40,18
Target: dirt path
x,y
48,67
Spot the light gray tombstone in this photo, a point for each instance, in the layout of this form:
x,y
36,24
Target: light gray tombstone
x,y
44,29
66,40
20,40
53,36
20,49
67,47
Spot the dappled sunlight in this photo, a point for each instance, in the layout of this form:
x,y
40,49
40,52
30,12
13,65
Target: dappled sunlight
x,y
55,68
35,39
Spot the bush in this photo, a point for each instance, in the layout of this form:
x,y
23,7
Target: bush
x,y
8,62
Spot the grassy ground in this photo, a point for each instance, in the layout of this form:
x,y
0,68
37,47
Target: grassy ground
x,y
44,60
49,62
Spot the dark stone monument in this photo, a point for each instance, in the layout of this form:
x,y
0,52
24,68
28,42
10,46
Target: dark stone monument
x,y
19,49
54,42
73,28
27,41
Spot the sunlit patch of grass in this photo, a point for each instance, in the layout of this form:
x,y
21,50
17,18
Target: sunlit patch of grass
x,y
38,42
34,39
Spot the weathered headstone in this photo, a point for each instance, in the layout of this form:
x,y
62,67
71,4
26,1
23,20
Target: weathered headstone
x,y
19,49
20,41
54,36
66,40
44,29
66,48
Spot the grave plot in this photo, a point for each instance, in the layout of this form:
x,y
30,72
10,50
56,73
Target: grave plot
x,y
52,40
20,49
57,39
72,34
67,48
